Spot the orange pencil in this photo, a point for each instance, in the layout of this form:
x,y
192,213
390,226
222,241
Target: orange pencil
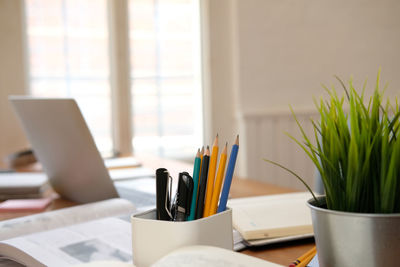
x,y
218,181
211,178
202,152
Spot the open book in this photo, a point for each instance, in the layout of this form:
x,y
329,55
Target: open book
x,y
81,234
197,256
91,233
273,218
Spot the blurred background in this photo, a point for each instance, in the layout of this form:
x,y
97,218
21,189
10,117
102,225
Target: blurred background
x,y
163,77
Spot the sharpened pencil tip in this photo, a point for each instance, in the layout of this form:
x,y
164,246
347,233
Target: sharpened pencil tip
x,y
225,150
215,141
207,151
237,140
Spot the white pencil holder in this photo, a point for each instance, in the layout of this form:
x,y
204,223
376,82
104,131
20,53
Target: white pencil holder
x,y
152,238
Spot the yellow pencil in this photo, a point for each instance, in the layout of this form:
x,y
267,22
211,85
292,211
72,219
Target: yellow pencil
x,y
305,256
307,259
218,181
211,177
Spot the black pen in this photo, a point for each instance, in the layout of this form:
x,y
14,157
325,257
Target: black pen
x,y
163,197
183,196
203,184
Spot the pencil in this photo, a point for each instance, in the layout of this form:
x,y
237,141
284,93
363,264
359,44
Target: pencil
x,y
218,181
201,161
210,177
202,153
202,184
196,176
229,175
303,257
307,259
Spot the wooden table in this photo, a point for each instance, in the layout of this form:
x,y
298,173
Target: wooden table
x,y
283,253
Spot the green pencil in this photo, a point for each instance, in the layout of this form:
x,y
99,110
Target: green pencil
x,y
196,174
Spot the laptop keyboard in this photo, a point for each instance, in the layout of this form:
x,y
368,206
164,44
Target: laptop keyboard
x,y
141,192
139,198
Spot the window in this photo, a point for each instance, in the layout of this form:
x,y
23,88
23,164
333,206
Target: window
x,y
69,56
164,41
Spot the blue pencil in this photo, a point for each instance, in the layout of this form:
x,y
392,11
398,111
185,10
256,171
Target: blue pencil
x,y
196,174
228,177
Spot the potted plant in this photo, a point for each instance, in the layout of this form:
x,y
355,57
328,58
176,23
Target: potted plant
x,y
356,150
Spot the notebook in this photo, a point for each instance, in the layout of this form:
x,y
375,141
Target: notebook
x,y
272,218
25,205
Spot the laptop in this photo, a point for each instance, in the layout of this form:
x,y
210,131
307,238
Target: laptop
x,y
63,144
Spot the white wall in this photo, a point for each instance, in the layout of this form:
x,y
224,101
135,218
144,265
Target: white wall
x,y
269,54
218,71
13,79
288,48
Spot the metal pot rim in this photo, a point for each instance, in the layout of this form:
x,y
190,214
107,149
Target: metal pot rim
x,y
311,203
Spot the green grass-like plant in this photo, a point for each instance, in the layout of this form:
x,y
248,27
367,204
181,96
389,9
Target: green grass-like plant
x,y
357,151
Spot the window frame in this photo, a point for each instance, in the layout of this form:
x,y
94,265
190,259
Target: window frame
x,y
120,80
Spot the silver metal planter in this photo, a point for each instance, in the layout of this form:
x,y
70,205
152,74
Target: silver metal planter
x,y
349,239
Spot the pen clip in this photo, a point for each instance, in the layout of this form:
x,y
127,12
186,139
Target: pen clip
x,y
168,194
184,193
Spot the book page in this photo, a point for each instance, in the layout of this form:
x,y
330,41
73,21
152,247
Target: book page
x,y
64,217
199,256
105,264
99,240
271,216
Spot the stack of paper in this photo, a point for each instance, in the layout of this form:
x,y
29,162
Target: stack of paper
x,y
22,185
